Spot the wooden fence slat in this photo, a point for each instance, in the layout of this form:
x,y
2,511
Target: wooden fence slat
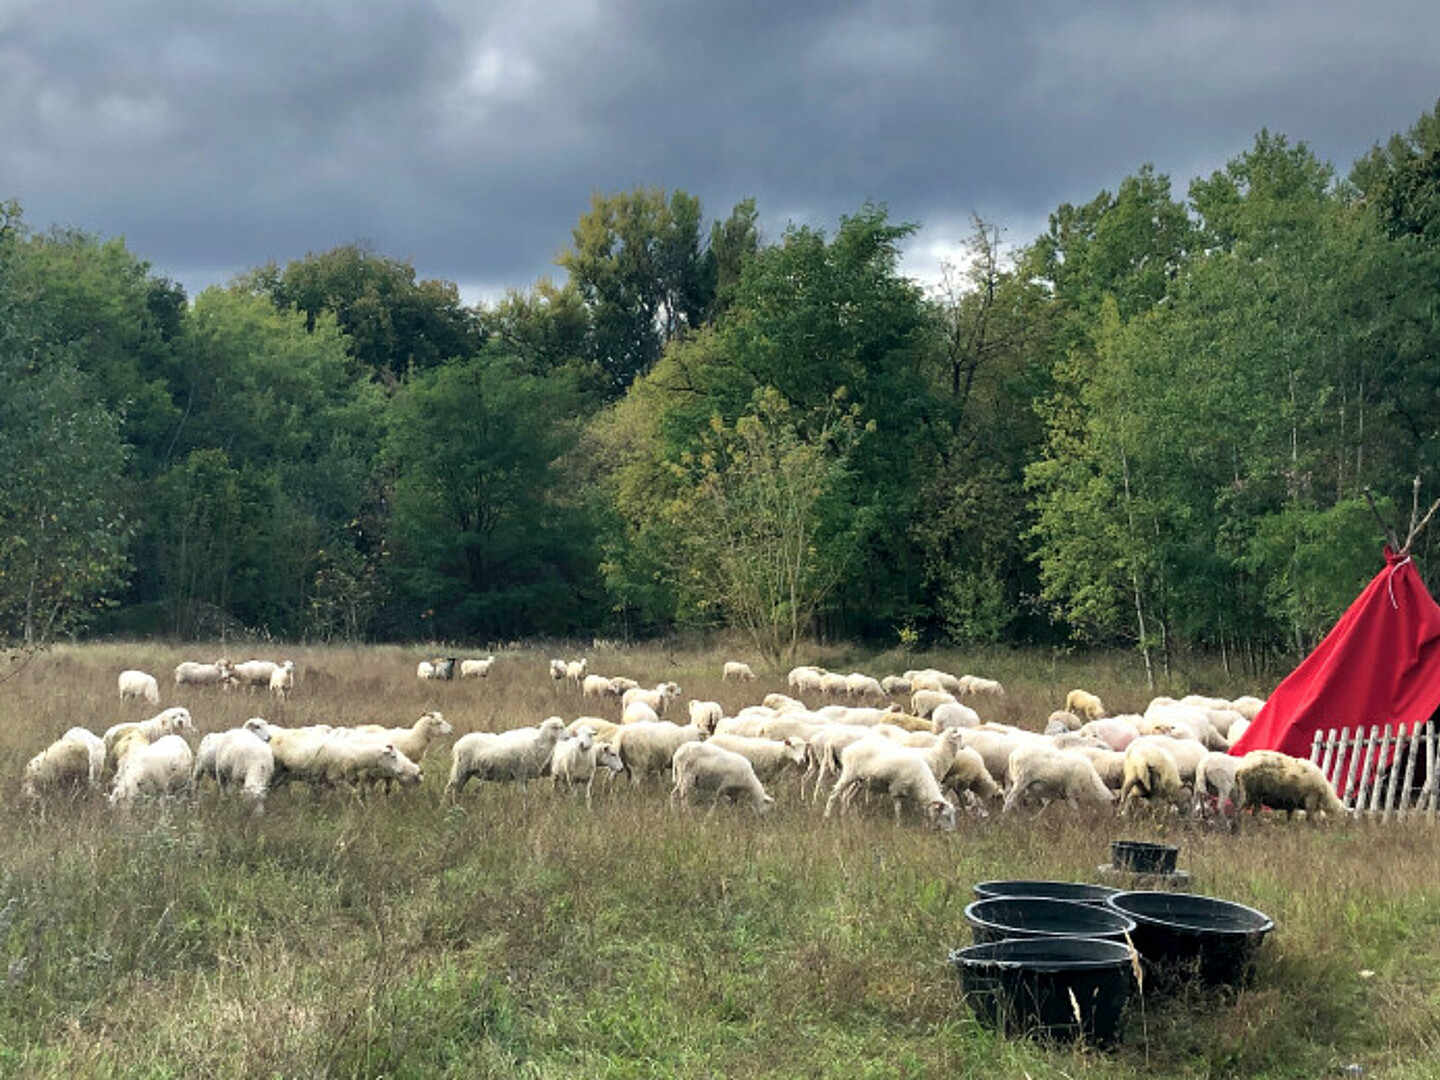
x,y
1397,768
1430,777
1328,763
1367,763
1415,745
1381,756
1354,750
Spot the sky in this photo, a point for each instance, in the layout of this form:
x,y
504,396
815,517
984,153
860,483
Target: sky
x,y
468,136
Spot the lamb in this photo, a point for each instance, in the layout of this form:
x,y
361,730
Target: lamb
x,y
170,721
705,714
477,669
1150,774
137,685
576,760
646,748
968,777
190,673
902,773
282,680
770,758
737,671
415,740
1036,770
63,766
1085,705
162,768
515,755
1215,779
238,758
699,766
1281,782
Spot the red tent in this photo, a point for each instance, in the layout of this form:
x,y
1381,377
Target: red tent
x,y
1380,665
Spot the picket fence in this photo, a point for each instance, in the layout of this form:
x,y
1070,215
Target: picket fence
x,y
1375,770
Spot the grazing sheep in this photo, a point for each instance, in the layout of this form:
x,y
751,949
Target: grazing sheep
x,y
1085,705
782,703
995,743
1150,774
1238,729
239,758
974,686
647,747
1039,771
1185,752
638,712
770,758
604,729
557,670
902,773
596,686
94,746
62,767
1117,731
699,766
1248,707
925,702
968,778
335,757
138,686
477,669
1060,722
705,714
823,749
1215,779
933,679
576,760
737,671
1109,764
162,768
865,687
806,679
896,686
1272,779
282,680
619,684
190,673
253,673
575,671
516,755
952,714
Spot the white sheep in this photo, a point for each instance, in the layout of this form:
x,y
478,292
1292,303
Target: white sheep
x,y
770,758
1248,707
902,773
737,671
822,751
1085,705
933,679
1060,722
413,741
576,760
1109,764
240,758
477,669
253,673
619,684
1117,731
638,712
995,743
1043,772
1276,780
604,729
896,685
162,768
1150,774
517,755
172,721
1186,753
925,702
596,686
953,714
647,747
975,686
282,680
138,686
335,757
95,746
575,671
865,687
699,766
968,777
62,767
705,714
191,673
806,679
658,698
1215,779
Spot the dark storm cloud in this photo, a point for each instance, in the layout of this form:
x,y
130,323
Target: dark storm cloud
x,y
469,137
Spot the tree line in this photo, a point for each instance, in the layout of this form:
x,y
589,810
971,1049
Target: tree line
x,y
1152,425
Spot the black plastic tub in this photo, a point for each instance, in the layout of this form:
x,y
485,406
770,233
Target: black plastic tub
x,y
1029,917
1059,988
1075,891
1181,935
1140,857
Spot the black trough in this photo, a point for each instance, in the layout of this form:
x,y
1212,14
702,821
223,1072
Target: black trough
x,y
1075,891
1026,917
1180,934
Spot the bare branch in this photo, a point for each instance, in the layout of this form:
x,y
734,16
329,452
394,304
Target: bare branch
x,y
1418,529
1384,525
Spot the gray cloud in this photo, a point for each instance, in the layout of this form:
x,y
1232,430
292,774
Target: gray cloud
x,y
469,138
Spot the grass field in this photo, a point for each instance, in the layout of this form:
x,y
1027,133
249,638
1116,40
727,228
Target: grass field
x,y
520,935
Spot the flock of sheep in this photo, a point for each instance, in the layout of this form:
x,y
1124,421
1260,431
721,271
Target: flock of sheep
x,y
910,738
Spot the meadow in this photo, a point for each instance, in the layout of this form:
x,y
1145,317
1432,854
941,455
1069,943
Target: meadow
x,y
521,935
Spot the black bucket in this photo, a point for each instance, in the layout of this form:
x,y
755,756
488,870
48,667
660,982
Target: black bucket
x,y
1140,857
1181,935
1029,917
1057,987
1075,891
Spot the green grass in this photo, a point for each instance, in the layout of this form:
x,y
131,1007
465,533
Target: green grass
x,y
520,935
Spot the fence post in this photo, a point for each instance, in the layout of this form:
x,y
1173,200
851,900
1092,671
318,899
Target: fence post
x,y
1415,745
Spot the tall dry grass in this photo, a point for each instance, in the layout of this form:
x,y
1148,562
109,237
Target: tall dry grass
x,y
520,935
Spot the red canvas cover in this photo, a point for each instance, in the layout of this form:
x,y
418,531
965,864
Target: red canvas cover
x,y
1380,665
